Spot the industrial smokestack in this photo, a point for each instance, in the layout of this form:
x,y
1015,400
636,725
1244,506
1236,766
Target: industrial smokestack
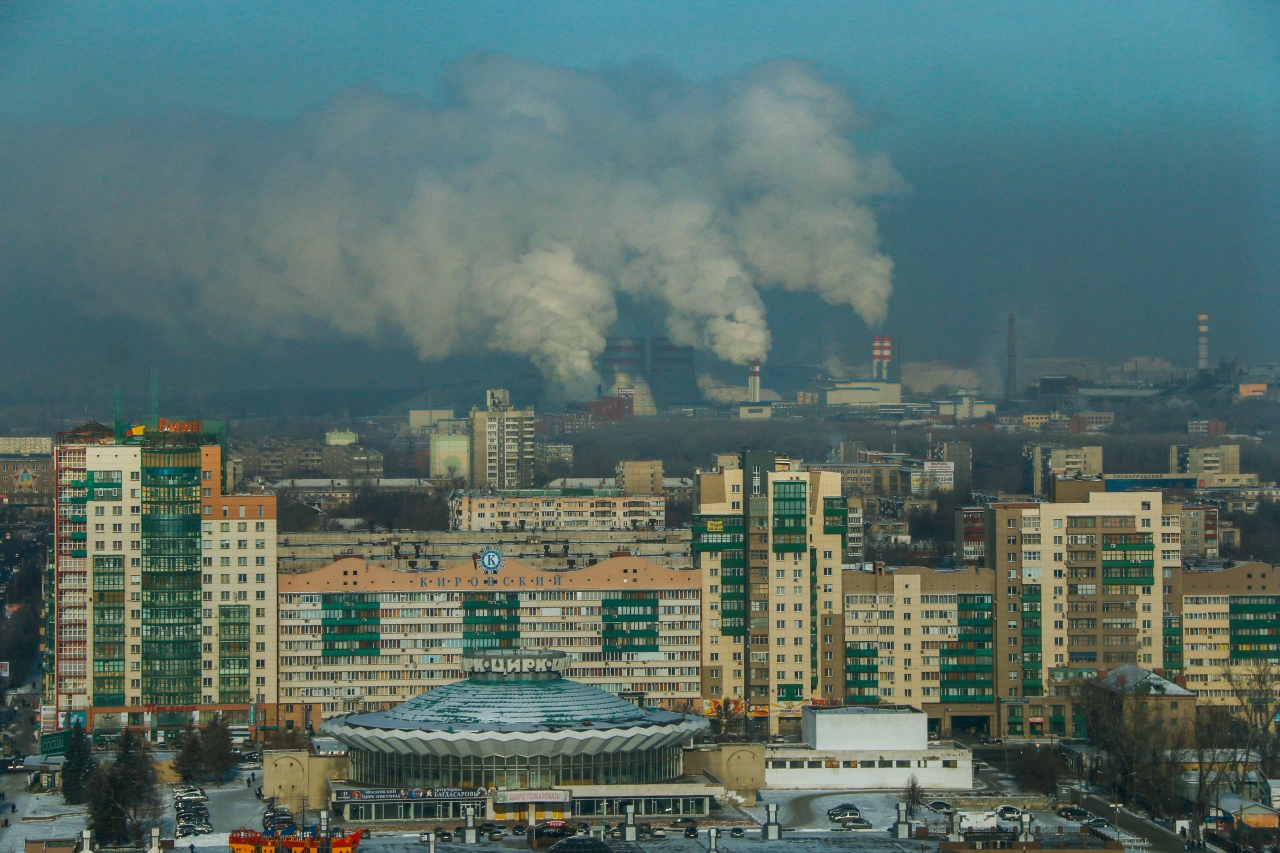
x,y
753,382
1011,372
1202,341
881,356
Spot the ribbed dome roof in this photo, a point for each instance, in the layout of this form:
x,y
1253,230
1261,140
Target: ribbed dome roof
x,y
515,690
513,706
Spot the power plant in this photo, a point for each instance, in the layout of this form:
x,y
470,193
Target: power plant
x,y
753,382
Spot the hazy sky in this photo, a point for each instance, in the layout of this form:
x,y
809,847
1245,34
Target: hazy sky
x,y
1103,169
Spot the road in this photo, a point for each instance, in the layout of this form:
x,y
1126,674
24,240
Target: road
x,y
1162,840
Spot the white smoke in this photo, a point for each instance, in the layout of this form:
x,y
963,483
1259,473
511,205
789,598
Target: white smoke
x,y
507,215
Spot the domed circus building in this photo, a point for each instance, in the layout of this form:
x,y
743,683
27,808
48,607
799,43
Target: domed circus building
x,y
515,735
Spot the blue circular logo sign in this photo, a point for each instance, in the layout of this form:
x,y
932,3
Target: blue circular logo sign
x,y
490,560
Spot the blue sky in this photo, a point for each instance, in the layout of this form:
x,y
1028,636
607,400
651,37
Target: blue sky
x,y
1057,151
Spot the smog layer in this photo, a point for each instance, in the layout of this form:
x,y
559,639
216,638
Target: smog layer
x,y
511,213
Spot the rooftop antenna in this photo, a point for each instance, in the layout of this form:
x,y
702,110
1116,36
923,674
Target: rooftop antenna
x,y
115,414
155,397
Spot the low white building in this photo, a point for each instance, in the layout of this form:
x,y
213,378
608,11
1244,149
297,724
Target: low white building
x,y
872,747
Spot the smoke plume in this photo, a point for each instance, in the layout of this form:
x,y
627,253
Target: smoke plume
x,y
508,214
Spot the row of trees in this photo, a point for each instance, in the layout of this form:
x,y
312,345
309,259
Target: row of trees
x,y
1174,763
123,797
205,753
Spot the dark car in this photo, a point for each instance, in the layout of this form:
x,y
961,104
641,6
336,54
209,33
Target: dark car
x,y
685,821
940,806
518,830
691,832
1099,823
737,832
1071,813
843,807
444,835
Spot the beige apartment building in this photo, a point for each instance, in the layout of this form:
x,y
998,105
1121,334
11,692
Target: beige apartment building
x,y
1223,620
360,637
769,543
502,445
640,477
1222,459
555,509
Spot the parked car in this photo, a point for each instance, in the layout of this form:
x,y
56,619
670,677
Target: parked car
x,y
940,806
444,835
1071,813
1099,823
658,832
1009,812
843,807
737,832
842,816
691,832
518,830
857,823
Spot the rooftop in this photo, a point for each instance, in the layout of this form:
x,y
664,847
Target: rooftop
x,y
1135,679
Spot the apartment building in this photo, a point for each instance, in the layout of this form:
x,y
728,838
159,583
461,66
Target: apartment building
x,y
769,543
160,597
359,637
1067,590
1043,461
1226,620
1199,536
502,445
26,471
1185,459
640,477
1077,592
555,509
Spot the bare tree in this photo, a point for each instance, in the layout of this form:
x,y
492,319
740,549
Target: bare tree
x,y
1253,687
1208,764
912,795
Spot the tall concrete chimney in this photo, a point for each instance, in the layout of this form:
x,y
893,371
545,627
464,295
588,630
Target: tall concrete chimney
x,y
1202,340
753,382
1011,371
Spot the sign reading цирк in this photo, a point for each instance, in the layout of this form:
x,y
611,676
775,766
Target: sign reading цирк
x,y
529,664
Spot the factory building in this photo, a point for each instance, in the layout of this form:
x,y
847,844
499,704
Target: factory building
x,y
671,375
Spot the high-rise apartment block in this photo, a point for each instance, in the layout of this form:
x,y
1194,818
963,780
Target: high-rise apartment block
x,y
1067,590
1043,461
160,590
640,477
769,543
502,445
1223,459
